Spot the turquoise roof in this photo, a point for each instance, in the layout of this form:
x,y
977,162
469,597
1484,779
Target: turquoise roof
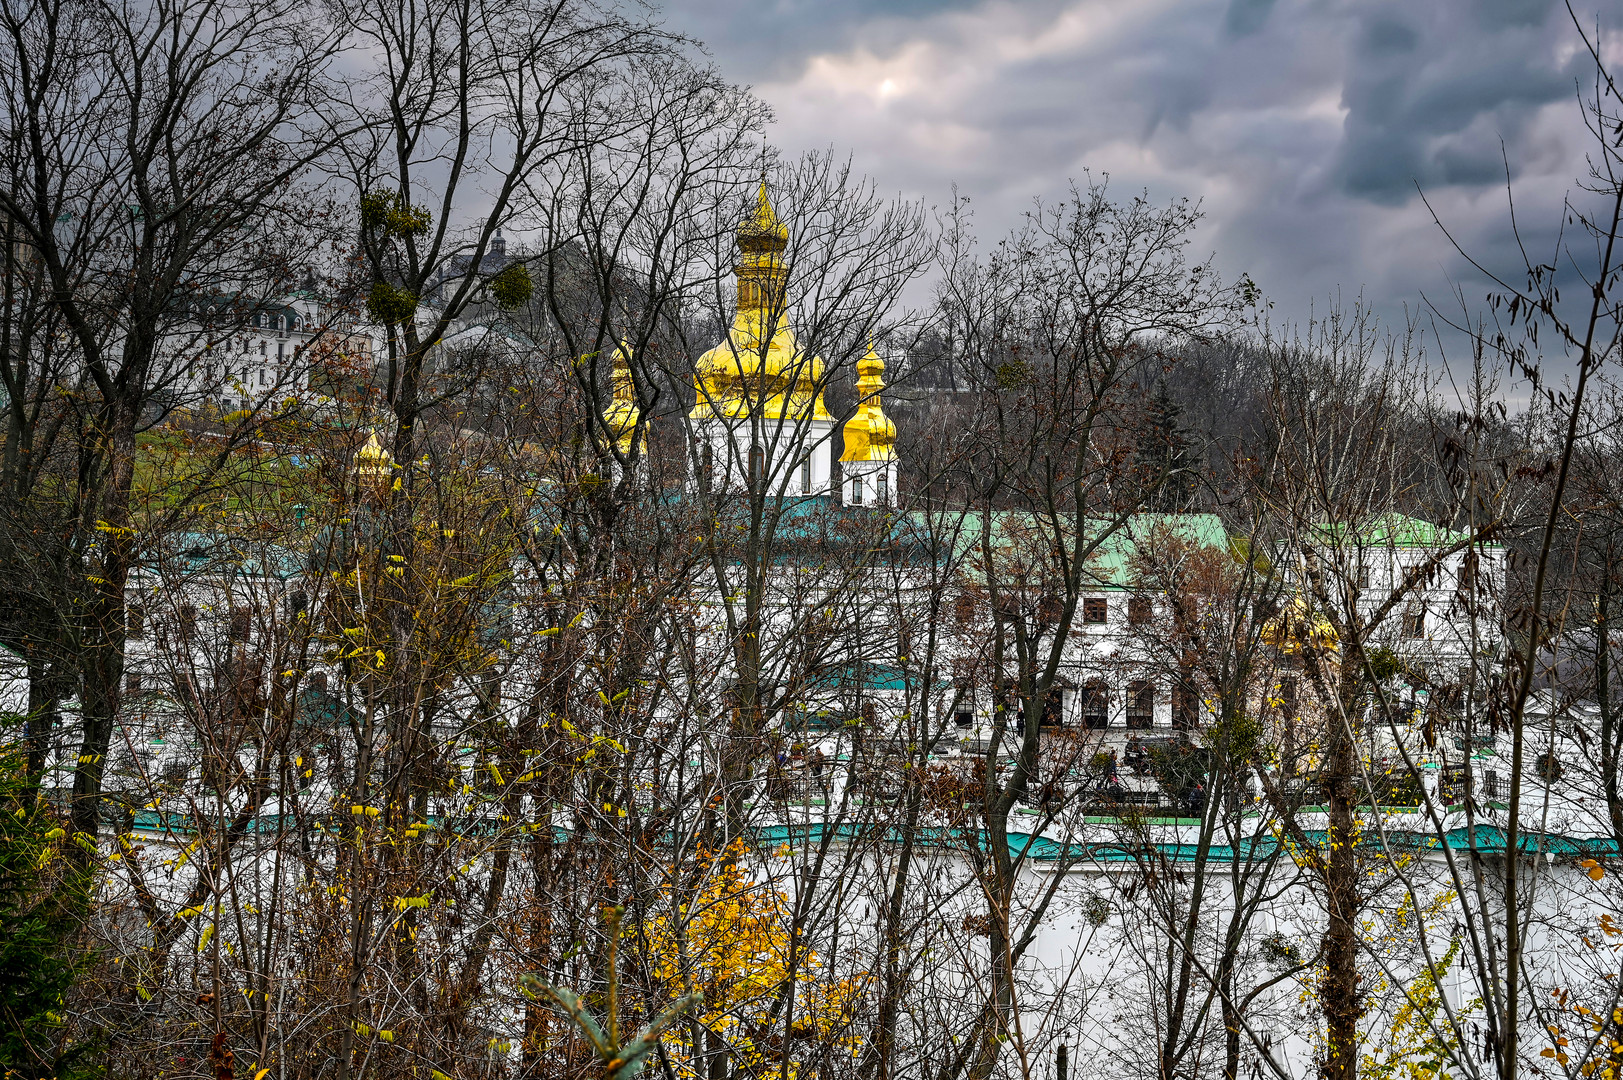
x,y
1111,564
1397,531
1490,840
196,552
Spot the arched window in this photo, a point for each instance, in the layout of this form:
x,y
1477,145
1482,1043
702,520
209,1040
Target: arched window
x,y
805,475
883,495
856,491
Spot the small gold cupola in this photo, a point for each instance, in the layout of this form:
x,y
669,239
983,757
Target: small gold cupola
x,y
372,462
623,413
869,435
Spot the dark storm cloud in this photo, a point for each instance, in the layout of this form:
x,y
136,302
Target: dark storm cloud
x,y
764,40
1431,88
1247,16
1304,125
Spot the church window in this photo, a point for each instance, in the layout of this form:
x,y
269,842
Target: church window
x,y
1095,609
884,486
805,475
856,491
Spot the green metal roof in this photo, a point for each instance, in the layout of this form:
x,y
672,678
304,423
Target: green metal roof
x,y
1111,564
1396,531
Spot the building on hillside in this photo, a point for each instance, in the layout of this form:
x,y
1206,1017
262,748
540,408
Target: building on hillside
x,y
209,606
293,348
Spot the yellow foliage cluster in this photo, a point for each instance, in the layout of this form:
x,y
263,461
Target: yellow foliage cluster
x,y
1420,1037
730,940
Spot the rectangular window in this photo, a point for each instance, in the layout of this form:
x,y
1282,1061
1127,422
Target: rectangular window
x,y
1185,712
136,623
1465,578
1095,609
239,624
1054,708
1140,704
1095,705
1140,609
963,719
1363,575
856,491
132,682
1414,620
188,619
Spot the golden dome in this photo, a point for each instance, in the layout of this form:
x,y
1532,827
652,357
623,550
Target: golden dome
x,y
1296,627
372,461
870,435
759,369
622,414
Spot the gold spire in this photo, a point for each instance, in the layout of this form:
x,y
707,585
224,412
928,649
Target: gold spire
x,y
760,368
762,233
622,414
372,461
761,240
870,435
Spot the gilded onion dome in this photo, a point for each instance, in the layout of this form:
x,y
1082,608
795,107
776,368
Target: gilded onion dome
x,y
760,368
622,414
870,435
372,461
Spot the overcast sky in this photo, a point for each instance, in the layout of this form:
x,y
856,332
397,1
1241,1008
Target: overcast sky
x,y
1304,126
